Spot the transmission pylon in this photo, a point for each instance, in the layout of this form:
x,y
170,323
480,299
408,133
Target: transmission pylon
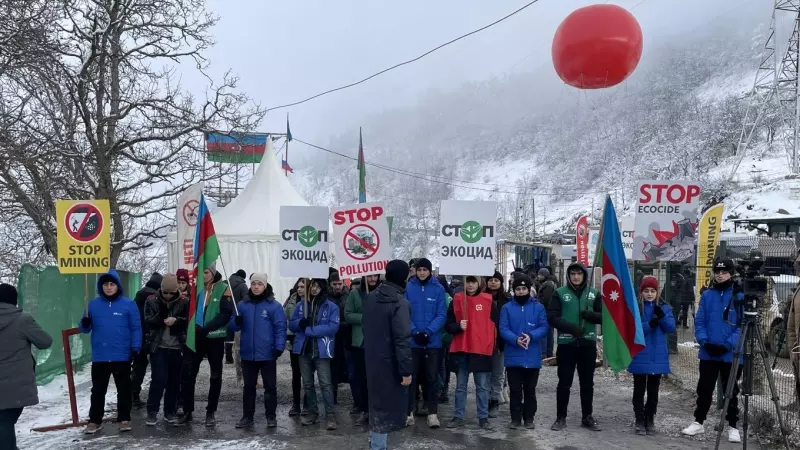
x,y
775,90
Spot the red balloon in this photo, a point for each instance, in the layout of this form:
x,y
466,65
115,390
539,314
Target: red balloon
x,y
597,47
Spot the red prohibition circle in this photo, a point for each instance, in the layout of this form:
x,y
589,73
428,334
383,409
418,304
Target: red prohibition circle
x,y
350,235
83,222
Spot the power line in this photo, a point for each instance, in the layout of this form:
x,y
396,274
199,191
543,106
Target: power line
x,y
452,41
450,181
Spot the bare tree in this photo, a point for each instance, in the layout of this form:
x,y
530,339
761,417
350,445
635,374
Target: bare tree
x,y
101,113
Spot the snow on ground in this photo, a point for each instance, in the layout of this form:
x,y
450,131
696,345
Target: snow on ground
x,y
724,87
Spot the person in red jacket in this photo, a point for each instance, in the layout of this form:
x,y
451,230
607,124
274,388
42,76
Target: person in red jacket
x,y
471,319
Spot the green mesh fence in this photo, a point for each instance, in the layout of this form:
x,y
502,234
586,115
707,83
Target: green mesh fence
x,y
57,302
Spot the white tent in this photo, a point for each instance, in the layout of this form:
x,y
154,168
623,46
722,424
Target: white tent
x,y
248,229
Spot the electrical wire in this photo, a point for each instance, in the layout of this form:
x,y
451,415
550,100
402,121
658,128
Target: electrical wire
x,y
452,41
451,182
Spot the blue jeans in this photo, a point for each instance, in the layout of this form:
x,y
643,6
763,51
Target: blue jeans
x,y
165,371
323,368
481,391
377,441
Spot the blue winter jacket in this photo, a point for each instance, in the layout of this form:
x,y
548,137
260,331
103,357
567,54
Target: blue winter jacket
x,y
654,358
116,327
324,329
531,319
428,304
711,327
263,328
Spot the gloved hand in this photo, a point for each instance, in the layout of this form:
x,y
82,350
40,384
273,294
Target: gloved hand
x,y
585,314
303,324
658,312
422,339
238,320
277,353
715,350
86,322
654,322
576,331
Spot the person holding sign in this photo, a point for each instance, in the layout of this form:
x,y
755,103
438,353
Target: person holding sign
x,y
426,297
263,325
523,325
472,319
315,324
575,310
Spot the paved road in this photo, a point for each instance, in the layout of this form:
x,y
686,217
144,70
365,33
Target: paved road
x,y
612,409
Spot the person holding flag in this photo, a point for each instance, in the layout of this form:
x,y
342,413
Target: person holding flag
x,y
208,321
651,363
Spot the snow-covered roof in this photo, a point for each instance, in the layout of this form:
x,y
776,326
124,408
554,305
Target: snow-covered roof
x,y
782,218
256,210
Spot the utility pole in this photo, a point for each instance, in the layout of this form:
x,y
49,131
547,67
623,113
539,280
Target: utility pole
x,y
533,208
592,210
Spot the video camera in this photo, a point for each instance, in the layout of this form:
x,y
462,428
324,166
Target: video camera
x,y
753,282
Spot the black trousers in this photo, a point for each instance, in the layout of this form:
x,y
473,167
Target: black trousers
x,y
138,371
709,370
165,380
571,357
101,373
269,373
522,385
297,383
8,419
362,400
214,350
642,384
429,359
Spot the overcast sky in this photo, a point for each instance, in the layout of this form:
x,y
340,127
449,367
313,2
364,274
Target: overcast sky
x,y
288,50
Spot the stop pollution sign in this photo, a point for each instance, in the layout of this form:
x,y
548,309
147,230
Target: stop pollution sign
x,y
361,236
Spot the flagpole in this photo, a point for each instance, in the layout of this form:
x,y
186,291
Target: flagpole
x,y
225,273
598,256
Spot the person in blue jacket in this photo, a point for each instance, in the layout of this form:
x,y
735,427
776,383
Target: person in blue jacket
x,y
114,323
428,301
652,362
263,325
315,323
523,325
716,328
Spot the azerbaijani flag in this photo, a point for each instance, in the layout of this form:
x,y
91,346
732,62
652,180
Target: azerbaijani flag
x,y
623,337
206,252
362,171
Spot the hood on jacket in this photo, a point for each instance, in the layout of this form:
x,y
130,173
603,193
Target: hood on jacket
x,y
267,294
8,314
112,275
235,281
430,281
217,277
577,265
155,281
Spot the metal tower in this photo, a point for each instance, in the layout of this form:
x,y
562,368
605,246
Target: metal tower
x,y
775,90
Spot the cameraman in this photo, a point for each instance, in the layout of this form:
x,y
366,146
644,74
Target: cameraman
x,y
793,331
717,332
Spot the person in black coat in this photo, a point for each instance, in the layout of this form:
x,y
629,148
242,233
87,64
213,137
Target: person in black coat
x,y
387,348
139,364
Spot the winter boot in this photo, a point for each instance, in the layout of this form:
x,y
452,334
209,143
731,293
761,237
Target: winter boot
x,y
210,419
246,423
184,420
330,423
589,423
152,419
640,426
485,425
295,411
309,419
494,406
515,424
272,422
530,424
559,424
649,425
362,420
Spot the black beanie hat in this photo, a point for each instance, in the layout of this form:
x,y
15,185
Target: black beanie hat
x,y
241,273
424,263
522,280
334,276
498,276
397,272
8,294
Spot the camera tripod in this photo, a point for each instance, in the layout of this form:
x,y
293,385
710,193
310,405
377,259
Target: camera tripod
x,y
750,342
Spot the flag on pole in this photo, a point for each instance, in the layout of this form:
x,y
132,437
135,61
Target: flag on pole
x,y
285,166
206,252
288,131
362,171
623,337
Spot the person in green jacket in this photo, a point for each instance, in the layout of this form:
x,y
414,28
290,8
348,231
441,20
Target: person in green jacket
x,y
352,315
575,310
